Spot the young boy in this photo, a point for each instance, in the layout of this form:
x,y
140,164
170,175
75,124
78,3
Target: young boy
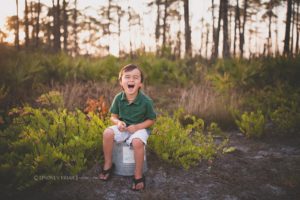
x,y
132,113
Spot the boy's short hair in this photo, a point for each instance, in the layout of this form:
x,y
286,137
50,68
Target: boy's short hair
x,y
128,68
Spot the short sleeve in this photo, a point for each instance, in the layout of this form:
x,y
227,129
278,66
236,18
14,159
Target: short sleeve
x,y
150,110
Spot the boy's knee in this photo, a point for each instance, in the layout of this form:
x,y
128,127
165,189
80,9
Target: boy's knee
x,y
137,143
108,133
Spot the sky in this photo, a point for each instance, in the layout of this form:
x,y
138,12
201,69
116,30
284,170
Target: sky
x,y
198,9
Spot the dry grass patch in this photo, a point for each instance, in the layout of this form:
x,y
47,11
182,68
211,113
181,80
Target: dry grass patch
x,y
76,94
203,101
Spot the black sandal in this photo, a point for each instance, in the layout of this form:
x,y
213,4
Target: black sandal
x,y
137,181
107,172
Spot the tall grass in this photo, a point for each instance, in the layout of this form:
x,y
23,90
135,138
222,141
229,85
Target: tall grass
x,y
205,102
76,93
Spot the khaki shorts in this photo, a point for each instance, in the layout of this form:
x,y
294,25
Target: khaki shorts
x,y
120,136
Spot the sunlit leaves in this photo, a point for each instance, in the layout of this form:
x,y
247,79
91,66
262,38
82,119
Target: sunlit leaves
x,y
183,145
48,142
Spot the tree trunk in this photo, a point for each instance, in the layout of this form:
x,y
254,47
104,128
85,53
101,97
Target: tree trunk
x,y
157,26
37,24
188,43
286,49
230,16
32,20
49,30
56,28
177,49
236,25
242,33
293,25
213,28
270,34
276,38
206,43
119,29
75,50
256,39
202,36
130,42
17,43
65,25
298,28
165,26
217,33
54,24
226,49
109,23
26,23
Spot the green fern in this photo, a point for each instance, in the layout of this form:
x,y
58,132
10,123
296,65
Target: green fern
x,y
251,124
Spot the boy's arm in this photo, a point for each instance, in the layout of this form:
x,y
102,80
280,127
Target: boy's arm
x,y
115,120
145,124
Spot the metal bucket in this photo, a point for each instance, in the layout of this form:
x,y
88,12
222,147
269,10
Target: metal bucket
x,y
123,158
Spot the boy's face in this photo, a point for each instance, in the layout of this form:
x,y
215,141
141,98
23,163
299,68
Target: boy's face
x,y
131,82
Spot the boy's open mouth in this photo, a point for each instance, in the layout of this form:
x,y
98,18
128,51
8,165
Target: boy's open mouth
x,y
130,86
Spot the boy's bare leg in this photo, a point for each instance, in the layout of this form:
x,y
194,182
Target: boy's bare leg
x,y
138,147
108,142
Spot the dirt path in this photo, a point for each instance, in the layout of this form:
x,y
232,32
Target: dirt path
x,y
258,169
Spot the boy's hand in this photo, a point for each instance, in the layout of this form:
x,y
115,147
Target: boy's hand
x,y
132,128
121,126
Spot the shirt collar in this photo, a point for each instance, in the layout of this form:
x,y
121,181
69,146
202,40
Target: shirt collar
x,y
137,99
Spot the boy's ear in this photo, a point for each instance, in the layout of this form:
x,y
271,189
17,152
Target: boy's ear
x,y
120,83
141,85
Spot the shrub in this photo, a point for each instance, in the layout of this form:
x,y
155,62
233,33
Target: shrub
x,y
52,99
163,71
228,74
47,142
99,107
280,69
286,118
280,104
251,124
257,73
179,145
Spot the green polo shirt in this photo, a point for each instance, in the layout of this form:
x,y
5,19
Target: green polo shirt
x,y
136,112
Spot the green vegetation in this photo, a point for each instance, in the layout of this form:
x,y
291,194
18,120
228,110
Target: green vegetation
x,y
52,99
27,75
47,142
266,84
251,124
55,142
184,145
50,132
